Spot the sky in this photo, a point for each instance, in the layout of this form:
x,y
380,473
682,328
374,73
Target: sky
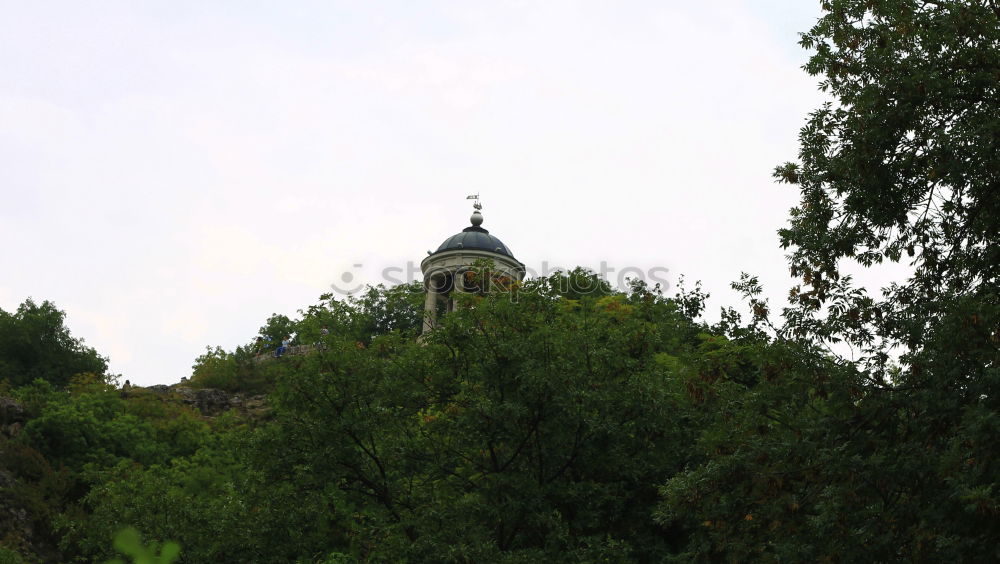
x,y
173,173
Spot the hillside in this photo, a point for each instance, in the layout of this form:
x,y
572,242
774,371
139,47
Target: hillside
x,y
558,419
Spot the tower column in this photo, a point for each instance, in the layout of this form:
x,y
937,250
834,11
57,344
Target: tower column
x,y
457,287
430,305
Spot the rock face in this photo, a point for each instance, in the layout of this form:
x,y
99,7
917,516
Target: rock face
x,y
212,402
17,524
14,522
207,400
11,411
11,417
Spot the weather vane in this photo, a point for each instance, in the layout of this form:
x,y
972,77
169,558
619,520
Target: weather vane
x,y
475,197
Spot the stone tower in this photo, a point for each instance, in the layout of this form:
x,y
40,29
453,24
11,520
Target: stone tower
x,y
444,269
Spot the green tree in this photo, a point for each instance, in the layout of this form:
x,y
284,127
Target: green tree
x,y
129,542
35,343
377,310
216,369
277,328
528,427
887,456
904,165
193,500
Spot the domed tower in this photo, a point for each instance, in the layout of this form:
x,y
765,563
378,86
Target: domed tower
x,y
444,269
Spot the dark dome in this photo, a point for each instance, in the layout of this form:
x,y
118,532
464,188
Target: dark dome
x,y
477,238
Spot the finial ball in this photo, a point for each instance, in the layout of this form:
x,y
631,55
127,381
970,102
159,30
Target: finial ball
x,y
477,218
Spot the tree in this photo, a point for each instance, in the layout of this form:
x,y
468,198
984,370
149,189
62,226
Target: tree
x,y
528,426
888,456
904,165
277,328
35,343
216,369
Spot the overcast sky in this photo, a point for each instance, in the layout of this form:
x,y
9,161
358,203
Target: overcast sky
x,y
172,173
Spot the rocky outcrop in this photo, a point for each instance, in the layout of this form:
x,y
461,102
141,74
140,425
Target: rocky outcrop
x,y
209,401
10,410
212,402
12,417
19,526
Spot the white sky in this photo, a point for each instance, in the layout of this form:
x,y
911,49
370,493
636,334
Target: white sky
x,y
173,173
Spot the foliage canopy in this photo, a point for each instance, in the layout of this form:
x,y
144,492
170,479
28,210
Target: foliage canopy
x,y
562,420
